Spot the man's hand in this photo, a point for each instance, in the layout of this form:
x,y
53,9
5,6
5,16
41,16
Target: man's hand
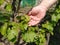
x,y
36,15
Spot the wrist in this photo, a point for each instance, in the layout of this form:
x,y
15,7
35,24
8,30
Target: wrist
x,y
44,7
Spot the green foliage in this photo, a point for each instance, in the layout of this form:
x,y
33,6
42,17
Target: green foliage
x,y
3,19
8,7
48,26
29,36
10,29
56,15
1,2
3,29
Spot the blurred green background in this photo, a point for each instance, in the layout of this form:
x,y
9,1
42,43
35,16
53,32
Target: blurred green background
x,y
28,3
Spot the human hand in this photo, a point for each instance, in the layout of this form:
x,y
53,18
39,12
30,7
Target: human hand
x,y
36,15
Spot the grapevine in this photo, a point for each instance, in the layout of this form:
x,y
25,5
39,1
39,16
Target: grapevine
x,y
10,29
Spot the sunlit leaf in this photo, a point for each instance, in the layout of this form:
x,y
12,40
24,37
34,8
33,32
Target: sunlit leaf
x,y
4,29
48,26
8,7
54,18
29,36
11,34
1,2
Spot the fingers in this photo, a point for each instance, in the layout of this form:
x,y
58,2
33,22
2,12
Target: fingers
x,y
36,15
34,18
33,21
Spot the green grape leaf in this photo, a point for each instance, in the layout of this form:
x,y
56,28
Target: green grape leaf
x,y
15,27
42,30
1,2
42,35
27,18
57,10
48,26
51,33
4,18
8,7
29,36
21,26
4,29
31,28
15,30
54,18
42,38
25,26
22,18
10,34
58,16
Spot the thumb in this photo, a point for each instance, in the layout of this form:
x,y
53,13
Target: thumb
x,y
30,13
